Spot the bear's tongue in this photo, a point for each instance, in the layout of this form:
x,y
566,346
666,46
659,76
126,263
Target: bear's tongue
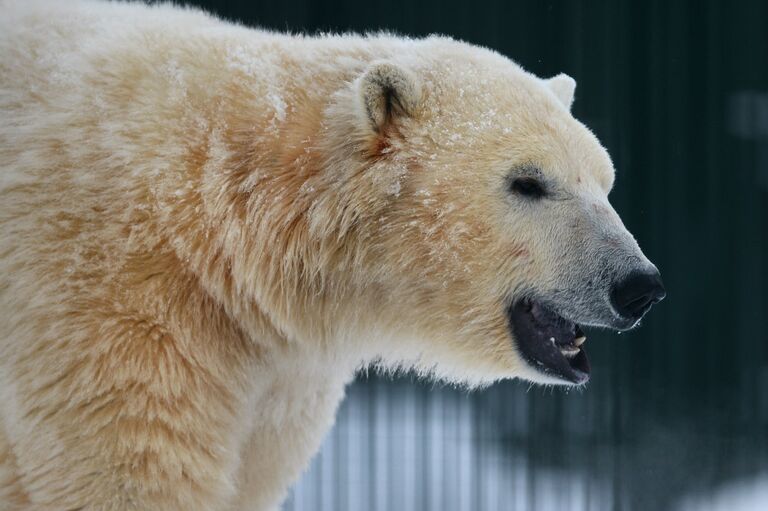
x,y
548,341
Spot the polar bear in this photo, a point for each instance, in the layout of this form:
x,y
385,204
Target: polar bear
x,y
206,229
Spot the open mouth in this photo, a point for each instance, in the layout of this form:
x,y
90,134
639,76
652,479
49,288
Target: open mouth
x,y
549,342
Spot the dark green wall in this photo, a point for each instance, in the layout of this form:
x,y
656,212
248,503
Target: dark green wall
x,y
678,92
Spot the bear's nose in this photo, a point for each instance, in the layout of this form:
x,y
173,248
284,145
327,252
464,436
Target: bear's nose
x,y
636,293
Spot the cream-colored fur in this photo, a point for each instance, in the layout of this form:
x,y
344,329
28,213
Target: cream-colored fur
x,y
206,229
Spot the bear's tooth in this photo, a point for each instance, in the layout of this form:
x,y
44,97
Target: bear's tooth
x,y
580,340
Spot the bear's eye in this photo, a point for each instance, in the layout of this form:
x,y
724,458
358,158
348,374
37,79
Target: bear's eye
x,y
528,187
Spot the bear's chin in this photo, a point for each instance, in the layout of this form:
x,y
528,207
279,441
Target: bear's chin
x,y
549,343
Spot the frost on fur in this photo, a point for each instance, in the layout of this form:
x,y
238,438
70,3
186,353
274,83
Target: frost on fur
x,y
205,230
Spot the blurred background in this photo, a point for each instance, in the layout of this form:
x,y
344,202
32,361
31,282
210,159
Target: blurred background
x,y
676,414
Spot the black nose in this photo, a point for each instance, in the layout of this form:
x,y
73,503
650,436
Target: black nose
x,y
635,294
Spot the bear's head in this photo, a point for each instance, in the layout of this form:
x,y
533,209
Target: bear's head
x,y
474,209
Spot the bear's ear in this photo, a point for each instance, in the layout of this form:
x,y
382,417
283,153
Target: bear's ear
x,y
388,91
564,87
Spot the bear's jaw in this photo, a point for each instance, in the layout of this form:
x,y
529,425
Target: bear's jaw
x,y
548,342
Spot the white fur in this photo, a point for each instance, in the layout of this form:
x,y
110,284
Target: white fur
x,y
206,229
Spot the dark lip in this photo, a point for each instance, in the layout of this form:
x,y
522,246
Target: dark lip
x,y
534,325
